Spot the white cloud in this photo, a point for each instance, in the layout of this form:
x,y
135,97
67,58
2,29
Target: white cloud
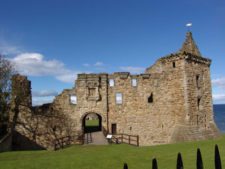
x,y
219,82
41,100
6,49
135,70
219,98
44,93
43,97
86,64
34,64
98,64
68,77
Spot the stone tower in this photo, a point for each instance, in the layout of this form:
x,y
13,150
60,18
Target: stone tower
x,y
197,91
191,89
21,100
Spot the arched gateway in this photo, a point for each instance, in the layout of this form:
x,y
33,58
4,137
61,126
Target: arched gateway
x,y
91,122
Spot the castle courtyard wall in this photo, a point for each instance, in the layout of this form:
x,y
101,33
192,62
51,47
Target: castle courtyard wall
x,y
171,102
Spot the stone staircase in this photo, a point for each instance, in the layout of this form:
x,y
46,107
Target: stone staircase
x,y
95,138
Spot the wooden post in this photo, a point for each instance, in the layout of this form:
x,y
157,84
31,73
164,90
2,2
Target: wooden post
x,y
122,138
129,139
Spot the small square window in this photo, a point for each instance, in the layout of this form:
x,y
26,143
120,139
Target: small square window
x,y
119,98
150,98
134,82
111,82
174,64
73,99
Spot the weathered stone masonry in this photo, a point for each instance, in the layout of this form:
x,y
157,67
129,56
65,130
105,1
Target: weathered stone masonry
x,y
170,102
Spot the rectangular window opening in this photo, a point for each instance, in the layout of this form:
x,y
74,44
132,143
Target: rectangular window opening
x,y
199,100
73,99
174,64
111,82
150,98
134,82
197,81
119,98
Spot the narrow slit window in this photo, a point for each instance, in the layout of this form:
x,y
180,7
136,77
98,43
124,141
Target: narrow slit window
x,y
199,100
73,99
134,82
119,98
174,64
150,98
111,82
197,81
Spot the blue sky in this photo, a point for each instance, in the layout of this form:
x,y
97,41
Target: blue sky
x,y
53,40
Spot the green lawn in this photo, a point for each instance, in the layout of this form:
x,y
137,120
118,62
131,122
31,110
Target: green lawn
x,y
90,123
113,156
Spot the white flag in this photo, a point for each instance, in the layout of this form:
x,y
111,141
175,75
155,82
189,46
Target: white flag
x,y
189,24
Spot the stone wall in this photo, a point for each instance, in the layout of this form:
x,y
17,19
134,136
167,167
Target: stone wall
x,y
170,102
36,127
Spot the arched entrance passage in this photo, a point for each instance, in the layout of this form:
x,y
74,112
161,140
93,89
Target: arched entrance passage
x,y
92,122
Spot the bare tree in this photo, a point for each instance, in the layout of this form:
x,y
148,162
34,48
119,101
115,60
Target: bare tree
x,y
59,128
6,72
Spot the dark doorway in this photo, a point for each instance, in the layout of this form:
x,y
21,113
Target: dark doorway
x,y
114,128
92,122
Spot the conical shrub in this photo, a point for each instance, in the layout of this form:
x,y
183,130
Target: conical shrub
x,y
199,162
217,158
125,166
179,161
154,164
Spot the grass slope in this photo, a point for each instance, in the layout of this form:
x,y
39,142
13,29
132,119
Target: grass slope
x,y
113,156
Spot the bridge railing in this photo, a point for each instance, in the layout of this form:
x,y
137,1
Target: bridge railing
x,y
126,138
62,142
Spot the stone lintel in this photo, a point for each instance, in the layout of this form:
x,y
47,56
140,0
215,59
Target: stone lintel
x,y
122,75
145,76
134,76
104,76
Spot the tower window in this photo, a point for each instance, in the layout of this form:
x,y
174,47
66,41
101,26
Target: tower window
x,y
174,64
150,98
92,91
73,99
197,81
199,100
134,82
119,98
111,82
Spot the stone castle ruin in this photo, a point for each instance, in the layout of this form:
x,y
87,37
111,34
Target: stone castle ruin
x,y
170,102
